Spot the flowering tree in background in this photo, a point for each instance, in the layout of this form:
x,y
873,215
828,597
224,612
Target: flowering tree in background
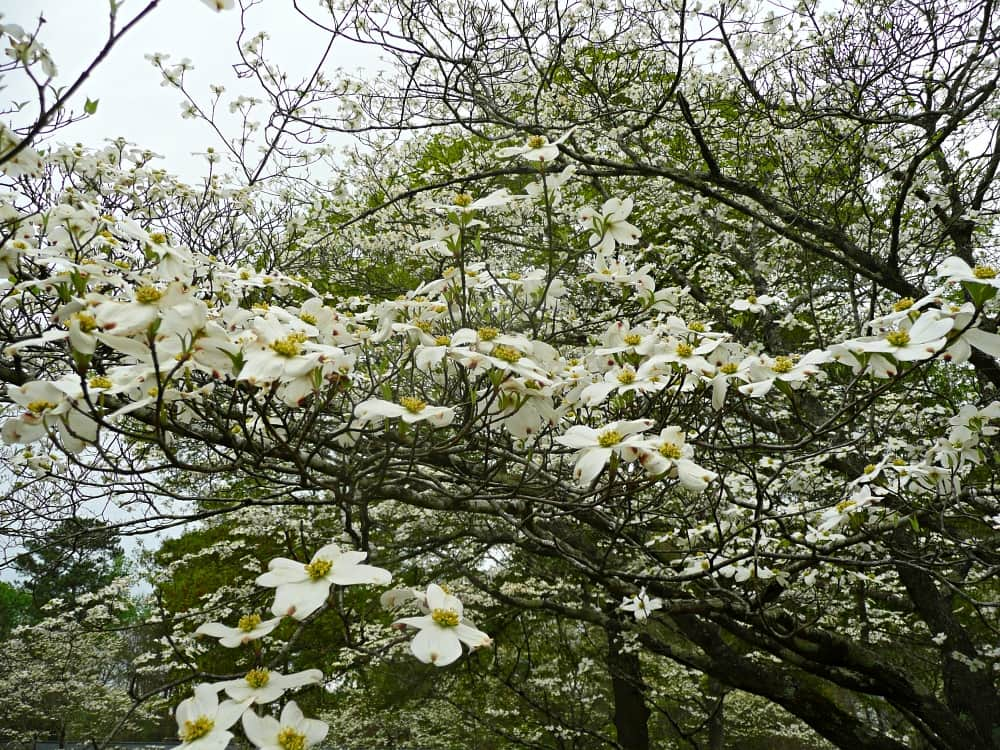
x,y
677,324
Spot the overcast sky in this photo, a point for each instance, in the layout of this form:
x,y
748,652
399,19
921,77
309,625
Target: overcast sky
x,y
133,104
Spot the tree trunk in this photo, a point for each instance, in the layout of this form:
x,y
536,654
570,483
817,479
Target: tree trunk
x,y
631,713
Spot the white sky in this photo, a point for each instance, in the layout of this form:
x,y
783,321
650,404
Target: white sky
x,y
133,104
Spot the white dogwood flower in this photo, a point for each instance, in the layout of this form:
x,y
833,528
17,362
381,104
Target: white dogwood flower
x,y
293,731
597,446
641,604
261,685
203,722
610,225
301,589
442,631
535,148
410,409
249,628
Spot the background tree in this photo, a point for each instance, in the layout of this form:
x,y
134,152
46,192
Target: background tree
x,y
79,556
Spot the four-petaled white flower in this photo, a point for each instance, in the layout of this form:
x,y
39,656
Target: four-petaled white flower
x,y
203,722
442,631
670,453
410,409
641,604
597,446
922,340
293,731
956,269
610,225
261,685
303,588
249,628
535,148
753,303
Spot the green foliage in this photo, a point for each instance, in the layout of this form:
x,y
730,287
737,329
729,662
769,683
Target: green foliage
x,y
79,556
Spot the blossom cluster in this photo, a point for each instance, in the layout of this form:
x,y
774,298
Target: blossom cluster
x,y
302,590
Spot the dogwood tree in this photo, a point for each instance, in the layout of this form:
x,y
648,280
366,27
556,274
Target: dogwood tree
x,y
702,333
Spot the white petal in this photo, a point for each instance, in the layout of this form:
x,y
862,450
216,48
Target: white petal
x,y
282,570
590,464
314,730
355,574
436,645
299,600
291,715
262,731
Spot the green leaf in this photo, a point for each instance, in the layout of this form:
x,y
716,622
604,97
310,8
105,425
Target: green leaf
x,y
90,107
980,293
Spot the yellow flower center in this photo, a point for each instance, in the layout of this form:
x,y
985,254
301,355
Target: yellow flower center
x,y
898,338
609,438
670,450
442,340
684,349
984,272
632,339
318,569
487,333
147,295
446,618
904,304
290,739
514,276
870,469
249,622
463,200
729,368
290,346
307,318
258,678
506,353
40,405
537,141
194,730
85,321
783,364
844,505
413,404
697,326
99,381
752,299
626,376
423,325
158,238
